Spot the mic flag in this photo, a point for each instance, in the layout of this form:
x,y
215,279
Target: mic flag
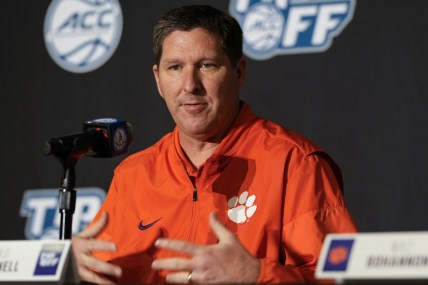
x,y
105,137
117,134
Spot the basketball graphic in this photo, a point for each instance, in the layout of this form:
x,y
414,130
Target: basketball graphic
x,y
81,35
263,26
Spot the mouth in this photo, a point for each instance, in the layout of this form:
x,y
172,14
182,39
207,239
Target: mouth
x,y
194,107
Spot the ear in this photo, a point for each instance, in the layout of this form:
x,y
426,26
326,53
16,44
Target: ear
x,y
241,69
156,74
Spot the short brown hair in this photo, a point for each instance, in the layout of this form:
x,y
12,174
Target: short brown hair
x,y
187,18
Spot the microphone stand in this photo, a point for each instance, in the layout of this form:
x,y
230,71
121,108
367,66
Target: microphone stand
x,y
67,198
68,151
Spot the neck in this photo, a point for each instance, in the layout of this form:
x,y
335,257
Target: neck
x,y
198,152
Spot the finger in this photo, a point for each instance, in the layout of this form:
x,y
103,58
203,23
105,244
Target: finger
x,y
222,233
177,245
107,268
179,278
93,277
96,227
89,245
172,264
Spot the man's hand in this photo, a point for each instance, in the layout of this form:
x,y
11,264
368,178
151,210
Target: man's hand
x,y
225,262
83,244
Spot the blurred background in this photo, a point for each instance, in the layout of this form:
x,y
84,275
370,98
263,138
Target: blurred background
x,y
360,92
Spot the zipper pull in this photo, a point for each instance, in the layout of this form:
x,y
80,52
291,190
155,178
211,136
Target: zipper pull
x,y
195,194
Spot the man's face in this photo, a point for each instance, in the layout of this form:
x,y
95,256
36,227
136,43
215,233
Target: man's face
x,y
199,84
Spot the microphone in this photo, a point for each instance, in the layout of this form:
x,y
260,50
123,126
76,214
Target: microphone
x,y
104,137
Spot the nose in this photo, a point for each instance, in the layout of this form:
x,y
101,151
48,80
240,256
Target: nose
x,y
191,80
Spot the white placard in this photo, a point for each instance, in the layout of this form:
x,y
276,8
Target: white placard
x,y
37,261
374,256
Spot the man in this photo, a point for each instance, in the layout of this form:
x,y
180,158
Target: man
x,y
227,197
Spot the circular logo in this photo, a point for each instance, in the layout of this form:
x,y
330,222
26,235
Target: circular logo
x,y
119,139
81,35
262,28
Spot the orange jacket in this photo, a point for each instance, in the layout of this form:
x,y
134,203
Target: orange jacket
x,y
278,192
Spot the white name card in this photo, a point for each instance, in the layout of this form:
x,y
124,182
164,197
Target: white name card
x,y
37,261
374,256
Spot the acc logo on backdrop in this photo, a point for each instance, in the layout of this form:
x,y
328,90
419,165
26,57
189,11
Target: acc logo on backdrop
x,y
40,207
81,35
275,27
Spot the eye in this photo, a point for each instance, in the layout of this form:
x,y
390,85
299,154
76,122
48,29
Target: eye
x,y
174,67
208,66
